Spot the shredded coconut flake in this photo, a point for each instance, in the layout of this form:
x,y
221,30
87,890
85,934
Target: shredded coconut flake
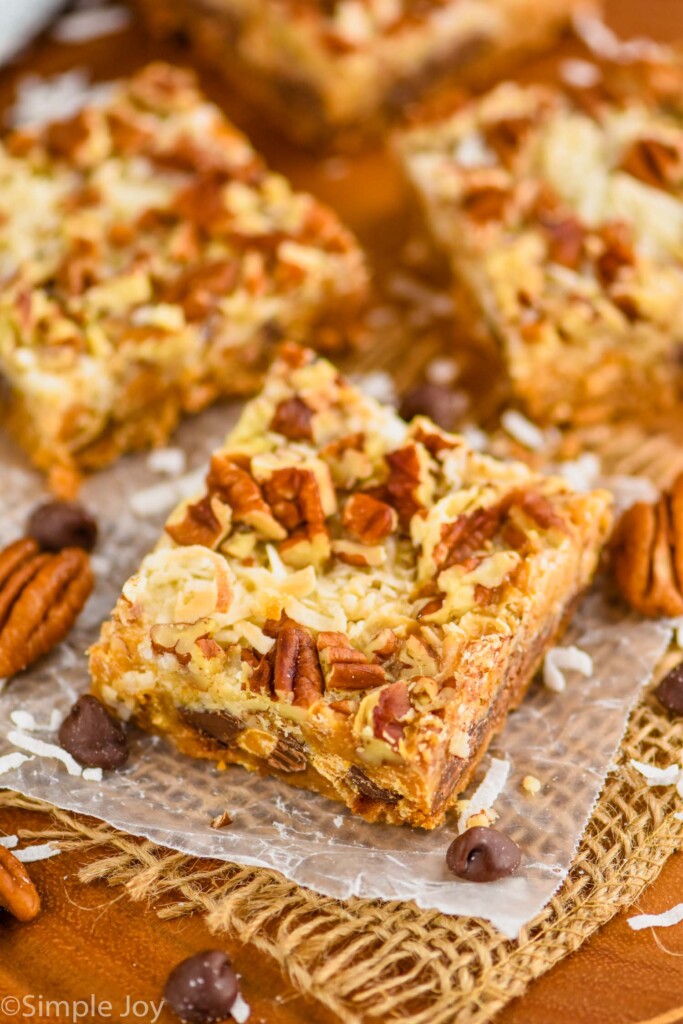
x,y
582,474
240,1010
9,762
442,371
580,73
523,430
558,660
664,920
654,776
603,42
23,720
167,461
153,501
628,490
56,719
378,385
40,100
9,842
92,774
41,749
82,26
487,792
31,854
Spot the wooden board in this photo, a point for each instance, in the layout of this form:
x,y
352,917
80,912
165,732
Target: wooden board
x,y
92,943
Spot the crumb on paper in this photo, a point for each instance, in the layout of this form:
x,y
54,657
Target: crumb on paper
x,y
483,819
486,793
531,785
91,23
523,430
153,501
559,660
664,920
221,820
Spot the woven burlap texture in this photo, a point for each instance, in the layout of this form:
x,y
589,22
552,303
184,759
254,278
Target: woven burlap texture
x,y
369,961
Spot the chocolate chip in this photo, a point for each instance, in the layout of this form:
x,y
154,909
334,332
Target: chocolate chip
x,y
440,403
62,524
670,690
483,855
92,736
202,988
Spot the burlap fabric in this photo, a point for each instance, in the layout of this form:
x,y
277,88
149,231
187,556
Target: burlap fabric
x,y
369,961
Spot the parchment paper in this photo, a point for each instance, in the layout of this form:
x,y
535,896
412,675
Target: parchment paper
x,y
566,740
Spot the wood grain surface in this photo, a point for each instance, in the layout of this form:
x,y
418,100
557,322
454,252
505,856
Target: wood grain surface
x,y
94,945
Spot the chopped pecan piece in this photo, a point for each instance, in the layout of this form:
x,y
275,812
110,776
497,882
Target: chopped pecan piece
x,y
18,894
384,644
388,716
656,162
404,482
180,639
237,488
294,496
297,665
485,202
566,237
506,137
368,519
206,522
647,554
617,254
289,755
200,289
41,596
347,668
293,419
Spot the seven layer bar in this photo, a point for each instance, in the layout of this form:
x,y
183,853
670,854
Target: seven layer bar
x,y
353,604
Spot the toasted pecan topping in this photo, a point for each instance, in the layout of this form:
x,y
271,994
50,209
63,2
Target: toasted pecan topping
x,y
347,668
292,419
565,235
200,288
404,481
205,522
368,519
617,253
18,894
485,202
506,137
388,717
647,554
180,639
238,489
41,596
297,666
294,496
655,162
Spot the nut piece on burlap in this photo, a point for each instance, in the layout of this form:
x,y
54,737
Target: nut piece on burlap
x,y
647,554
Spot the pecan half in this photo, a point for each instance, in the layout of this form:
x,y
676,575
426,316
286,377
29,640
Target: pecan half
x,y
206,522
347,668
294,496
647,554
18,894
289,755
368,519
41,596
293,419
296,668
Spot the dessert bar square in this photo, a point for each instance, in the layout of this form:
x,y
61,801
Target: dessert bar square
x,y
149,262
562,213
353,604
338,70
